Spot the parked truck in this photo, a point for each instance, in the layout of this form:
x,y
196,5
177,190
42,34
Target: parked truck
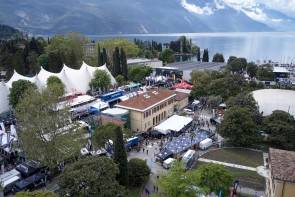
x,y
205,144
189,158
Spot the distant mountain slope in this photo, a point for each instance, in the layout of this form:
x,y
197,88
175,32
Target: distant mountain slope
x,y
134,16
7,32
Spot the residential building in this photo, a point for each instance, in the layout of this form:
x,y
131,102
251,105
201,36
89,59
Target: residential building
x,y
153,63
89,49
281,179
181,100
150,108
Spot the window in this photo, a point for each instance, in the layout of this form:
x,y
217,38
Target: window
x,y
153,120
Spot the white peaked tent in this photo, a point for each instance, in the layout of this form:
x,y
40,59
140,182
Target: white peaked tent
x,y
75,80
4,92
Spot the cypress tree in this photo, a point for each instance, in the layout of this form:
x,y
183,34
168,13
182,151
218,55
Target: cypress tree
x,y
198,54
104,56
116,62
120,157
99,56
123,60
206,55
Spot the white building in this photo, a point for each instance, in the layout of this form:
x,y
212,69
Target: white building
x,y
145,62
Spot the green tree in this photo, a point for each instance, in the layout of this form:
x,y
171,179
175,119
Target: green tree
x,y
230,59
103,134
91,176
55,62
238,65
116,69
218,57
178,183
251,69
205,56
167,56
138,172
129,47
120,80
123,61
281,127
246,100
104,57
18,90
43,60
265,73
214,101
239,127
138,73
47,136
99,56
214,178
120,157
56,84
36,194
101,80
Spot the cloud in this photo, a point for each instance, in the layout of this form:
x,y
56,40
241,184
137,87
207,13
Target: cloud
x,y
196,9
285,6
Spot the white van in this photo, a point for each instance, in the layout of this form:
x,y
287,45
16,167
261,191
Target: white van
x,y
168,163
205,144
188,159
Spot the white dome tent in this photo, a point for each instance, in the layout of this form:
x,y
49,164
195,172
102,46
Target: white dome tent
x,y
74,81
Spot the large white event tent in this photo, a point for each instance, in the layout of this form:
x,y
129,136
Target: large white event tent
x,y
270,100
74,81
175,123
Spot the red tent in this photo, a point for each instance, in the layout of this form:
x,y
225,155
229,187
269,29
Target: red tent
x,y
183,85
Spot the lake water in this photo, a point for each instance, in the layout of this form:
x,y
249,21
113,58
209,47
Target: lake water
x,y
275,46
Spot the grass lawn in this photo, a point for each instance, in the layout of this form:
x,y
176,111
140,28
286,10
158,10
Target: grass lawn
x,y
237,156
247,178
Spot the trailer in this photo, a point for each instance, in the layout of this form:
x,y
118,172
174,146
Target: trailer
x,y
205,144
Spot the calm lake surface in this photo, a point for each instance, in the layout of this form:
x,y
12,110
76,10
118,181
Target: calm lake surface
x,y
275,46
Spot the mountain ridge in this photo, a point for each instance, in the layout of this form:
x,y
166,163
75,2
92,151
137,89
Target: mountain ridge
x,y
132,16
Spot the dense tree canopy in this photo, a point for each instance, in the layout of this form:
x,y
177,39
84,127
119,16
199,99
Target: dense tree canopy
x,y
36,194
91,176
237,65
17,91
251,69
205,55
281,128
179,183
167,56
246,100
129,47
138,73
214,178
218,57
138,172
100,81
120,156
55,83
47,135
239,127
265,73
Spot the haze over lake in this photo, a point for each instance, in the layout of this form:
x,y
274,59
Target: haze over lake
x,y
275,46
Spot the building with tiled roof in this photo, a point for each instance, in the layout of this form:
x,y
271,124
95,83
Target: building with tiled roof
x,y
281,180
150,108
